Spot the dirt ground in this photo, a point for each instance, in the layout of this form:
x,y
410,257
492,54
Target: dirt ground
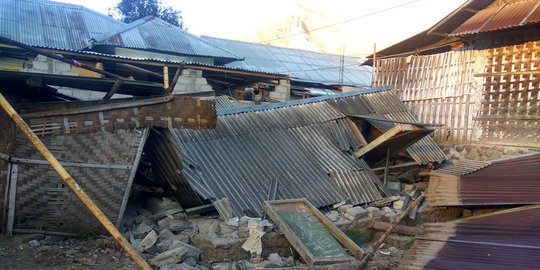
x,y
56,252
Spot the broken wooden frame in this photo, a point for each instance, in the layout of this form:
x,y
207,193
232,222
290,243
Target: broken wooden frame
x,y
171,111
70,182
395,139
275,210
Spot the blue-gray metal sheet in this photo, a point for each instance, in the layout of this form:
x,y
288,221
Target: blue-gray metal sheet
x,y
153,34
52,24
301,65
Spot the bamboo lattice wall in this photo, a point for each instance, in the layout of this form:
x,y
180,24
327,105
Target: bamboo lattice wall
x,y
509,110
488,96
439,89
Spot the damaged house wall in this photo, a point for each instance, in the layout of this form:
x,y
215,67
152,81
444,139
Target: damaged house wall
x,y
484,85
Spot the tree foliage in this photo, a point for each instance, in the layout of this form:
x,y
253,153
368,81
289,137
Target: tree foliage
x,y
132,10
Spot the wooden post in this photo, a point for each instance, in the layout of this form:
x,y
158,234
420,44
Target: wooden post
x,y
389,231
166,77
175,78
373,66
114,89
70,182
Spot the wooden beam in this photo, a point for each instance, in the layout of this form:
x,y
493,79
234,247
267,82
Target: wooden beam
x,y
377,244
175,78
59,58
12,198
114,89
70,182
166,77
401,229
379,140
100,108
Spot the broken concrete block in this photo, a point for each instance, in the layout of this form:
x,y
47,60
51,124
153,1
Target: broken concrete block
x,y
149,240
176,225
372,209
386,209
208,227
141,229
191,250
356,213
275,261
225,266
398,205
332,216
171,256
226,229
181,266
344,208
158,205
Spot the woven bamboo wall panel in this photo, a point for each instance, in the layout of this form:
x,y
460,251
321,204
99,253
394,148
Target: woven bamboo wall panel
x,y
7,142
167,112
439,89
510,105
43,202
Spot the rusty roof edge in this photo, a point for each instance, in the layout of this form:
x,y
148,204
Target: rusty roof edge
x,y
302,101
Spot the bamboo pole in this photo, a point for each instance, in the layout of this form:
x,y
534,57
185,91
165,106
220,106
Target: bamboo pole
x,y
70,182
379,242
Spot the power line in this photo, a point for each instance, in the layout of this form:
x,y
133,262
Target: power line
x,y
341,22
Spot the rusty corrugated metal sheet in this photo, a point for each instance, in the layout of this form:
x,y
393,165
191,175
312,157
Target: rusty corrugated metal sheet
x,y
506,181
465,166
501,16
506,240
52,24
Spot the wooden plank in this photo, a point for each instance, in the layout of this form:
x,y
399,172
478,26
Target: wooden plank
x,y
165,77
70,182
132,174
12,198
177,74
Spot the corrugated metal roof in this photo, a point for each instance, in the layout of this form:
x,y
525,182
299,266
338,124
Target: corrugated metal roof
x,y
301,65
507,181
154,34
52,24
388,106
465,166
501,16
506,240
224,102
305,145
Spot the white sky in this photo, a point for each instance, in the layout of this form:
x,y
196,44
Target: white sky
x,y
240,19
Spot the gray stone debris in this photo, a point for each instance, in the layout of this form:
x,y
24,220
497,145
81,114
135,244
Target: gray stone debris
x,y
275,261
398,205
149,240
332,216
344,208
355,213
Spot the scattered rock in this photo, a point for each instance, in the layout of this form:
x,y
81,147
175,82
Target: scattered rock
x,y
208,227
142,229
171,256
356,213
149,240
386,209
33,243
332,216
344,208
275,261
87,261
372,209
398,205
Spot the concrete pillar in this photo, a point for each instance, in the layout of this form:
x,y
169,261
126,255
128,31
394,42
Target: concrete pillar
x,y
191,80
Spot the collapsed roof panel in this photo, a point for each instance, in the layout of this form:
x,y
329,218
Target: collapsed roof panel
x,y
387,105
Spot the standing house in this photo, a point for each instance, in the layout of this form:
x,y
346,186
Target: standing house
x,y
477,72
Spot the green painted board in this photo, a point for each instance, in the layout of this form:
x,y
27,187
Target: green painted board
x,y
315,238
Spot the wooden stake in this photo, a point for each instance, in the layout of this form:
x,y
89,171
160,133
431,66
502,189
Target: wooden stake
x,y
389,231
114,89
70,182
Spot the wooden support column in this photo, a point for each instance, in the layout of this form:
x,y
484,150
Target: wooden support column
x,y
70,182
175,79
114,89
166,77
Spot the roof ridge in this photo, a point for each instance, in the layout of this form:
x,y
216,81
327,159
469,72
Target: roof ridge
x,y
155,19
280,47
73,6
302,101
